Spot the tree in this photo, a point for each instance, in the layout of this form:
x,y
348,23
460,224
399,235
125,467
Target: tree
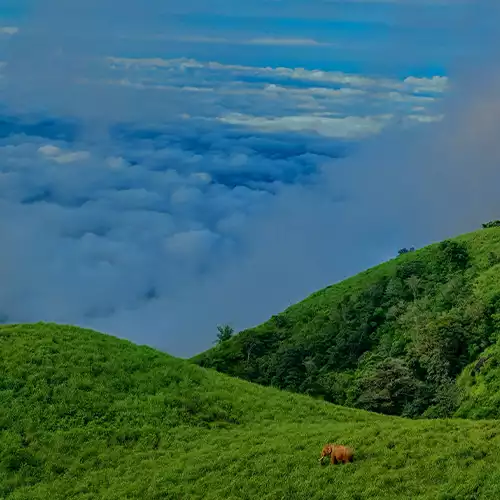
x,y
387,386
413,283
225,332
411,268
402,251
453,256
280,321
493,223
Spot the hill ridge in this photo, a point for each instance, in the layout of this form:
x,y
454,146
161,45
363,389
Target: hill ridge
x,y
392,339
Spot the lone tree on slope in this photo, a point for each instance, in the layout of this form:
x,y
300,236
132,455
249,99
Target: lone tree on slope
x,y
402,251
225,332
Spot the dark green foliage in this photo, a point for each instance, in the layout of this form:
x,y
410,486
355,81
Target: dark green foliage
x,y
402,251
225,332
452,256
280,321
445,401
493,258
493,223
388,386
392,340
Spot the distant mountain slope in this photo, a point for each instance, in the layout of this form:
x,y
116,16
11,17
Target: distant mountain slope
x,y
85,415
392,339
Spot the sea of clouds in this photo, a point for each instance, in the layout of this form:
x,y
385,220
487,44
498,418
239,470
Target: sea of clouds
x,y
155,197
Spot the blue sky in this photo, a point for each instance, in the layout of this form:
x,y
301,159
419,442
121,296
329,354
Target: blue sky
x,y
167,167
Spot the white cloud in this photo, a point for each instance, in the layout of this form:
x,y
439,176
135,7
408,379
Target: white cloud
x,y
72,157
436,84
348,127
312,91
207,39
425,118
194,243
291,98
59,156
9,30
50,150
288,41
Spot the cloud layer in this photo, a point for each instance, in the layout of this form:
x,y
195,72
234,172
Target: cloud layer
x,y
155,195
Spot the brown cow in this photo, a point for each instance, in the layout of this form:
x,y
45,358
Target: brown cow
x,y
337,453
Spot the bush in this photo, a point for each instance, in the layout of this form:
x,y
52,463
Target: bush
x,y
493,223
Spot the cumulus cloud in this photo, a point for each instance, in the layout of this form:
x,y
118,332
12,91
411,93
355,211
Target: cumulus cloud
x,y
57,155
154,198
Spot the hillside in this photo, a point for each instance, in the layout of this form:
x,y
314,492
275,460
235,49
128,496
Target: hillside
x,y
85,415
480,387
392,339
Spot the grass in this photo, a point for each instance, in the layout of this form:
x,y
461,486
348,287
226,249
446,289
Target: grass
x,y
88,416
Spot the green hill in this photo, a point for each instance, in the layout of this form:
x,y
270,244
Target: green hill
x,y
392,339
88,416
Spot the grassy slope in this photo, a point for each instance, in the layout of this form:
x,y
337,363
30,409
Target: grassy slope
x,y
85,415
305,319
480,383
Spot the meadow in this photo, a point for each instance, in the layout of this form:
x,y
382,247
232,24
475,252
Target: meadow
x,y
89,416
